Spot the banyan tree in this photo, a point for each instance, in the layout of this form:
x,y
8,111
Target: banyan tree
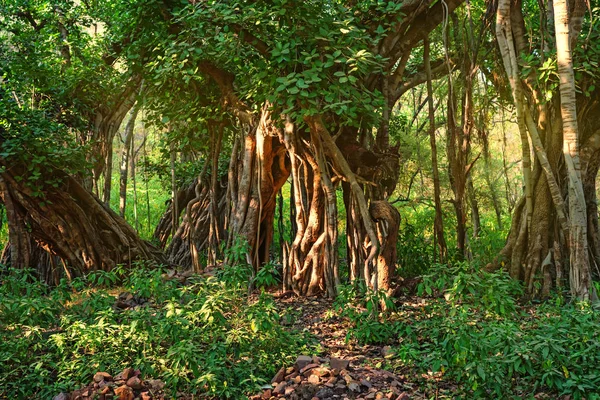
x,y
284,97
554,232
286,92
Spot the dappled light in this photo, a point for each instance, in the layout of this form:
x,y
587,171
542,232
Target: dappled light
x,y
299,200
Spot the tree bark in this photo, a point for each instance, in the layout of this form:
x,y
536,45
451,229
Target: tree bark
x,y
125,152
438,225
70,222
580,275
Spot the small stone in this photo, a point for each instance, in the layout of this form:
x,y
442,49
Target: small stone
x,y
302,361
354,386
124,393
280,388
321,371
314,379
324,393
134,382
266,394
102,376
61,396
297,379
366,383
289,390
145,396
308,367
155,384
379,396
339,364
279,375
316,360
289,370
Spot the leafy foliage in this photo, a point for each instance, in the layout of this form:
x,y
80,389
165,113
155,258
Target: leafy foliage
x,y
205,337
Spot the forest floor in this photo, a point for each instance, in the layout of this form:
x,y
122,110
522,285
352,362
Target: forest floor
x,y
366,374
153,334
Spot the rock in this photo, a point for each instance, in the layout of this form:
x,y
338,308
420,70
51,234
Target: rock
x,y
316,360
324,393
314,379
127,373
280,388
291,376
339,364
155,384
134,382
61,396
145,396
354,386
297,379
124,393
289,390
302,361
321,371
307,368
279,375
102,376
289,370
366,383
266,394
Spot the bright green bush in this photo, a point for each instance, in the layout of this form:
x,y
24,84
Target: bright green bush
x,y
472,331
203,337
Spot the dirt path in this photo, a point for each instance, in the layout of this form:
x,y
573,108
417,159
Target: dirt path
x,y
342,370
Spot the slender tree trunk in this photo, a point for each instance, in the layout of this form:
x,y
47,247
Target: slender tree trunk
x,y
475,219
580,276
125,152
175,214
438,226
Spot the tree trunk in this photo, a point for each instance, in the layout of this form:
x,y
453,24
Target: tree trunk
x,y
256,178
125,152
580,276
536,252
388,224
475,219
438,225
164,228
312,261
69,222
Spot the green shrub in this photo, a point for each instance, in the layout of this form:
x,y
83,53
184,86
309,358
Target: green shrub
x,y
203,338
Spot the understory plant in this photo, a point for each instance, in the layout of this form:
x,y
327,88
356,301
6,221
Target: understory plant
x,y
205,337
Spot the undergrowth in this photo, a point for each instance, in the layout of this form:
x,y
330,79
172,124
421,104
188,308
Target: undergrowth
x,y
471,331
206,337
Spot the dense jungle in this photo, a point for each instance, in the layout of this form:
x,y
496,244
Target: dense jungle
x,y
322,199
